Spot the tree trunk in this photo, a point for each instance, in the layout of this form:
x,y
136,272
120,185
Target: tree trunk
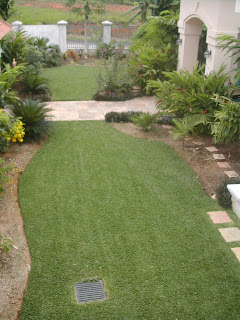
x,y
85,40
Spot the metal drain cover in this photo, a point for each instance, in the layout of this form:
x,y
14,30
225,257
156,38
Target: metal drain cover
x,y
90,291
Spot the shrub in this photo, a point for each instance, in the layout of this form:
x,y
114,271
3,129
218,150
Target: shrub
x,y
120,116
226,125
186,94
5,245
114,83
34,116
106,51
222,193
11,130
35,83
144,120
149,64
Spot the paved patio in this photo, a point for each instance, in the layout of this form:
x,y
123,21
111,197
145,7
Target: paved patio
x,y
96,110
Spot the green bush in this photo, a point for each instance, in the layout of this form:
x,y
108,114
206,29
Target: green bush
x,y
144,121
120,116
34,115
186,94
114,83
226,125
35,83
222,193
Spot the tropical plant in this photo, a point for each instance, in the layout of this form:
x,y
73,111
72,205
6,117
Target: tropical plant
x,y
226,125
144,120
35,83
85,7
7,79
6,9
186,94
150,64
231,44
186,125
34,115
155,7
223,195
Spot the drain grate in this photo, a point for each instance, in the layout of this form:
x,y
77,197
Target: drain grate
x,y
90,291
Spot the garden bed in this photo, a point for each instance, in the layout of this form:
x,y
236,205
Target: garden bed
x,y
15,267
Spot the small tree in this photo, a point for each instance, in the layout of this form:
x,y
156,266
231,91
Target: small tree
x,y
85,8
6,9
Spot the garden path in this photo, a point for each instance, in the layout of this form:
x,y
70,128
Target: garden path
x,y
96,110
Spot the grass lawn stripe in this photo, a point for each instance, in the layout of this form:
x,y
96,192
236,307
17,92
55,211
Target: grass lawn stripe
x,y
98,204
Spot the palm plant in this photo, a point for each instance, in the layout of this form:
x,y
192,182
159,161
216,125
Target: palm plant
x,y
34,115
35,83
231,44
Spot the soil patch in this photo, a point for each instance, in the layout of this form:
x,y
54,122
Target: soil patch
x,y
61,6
15,266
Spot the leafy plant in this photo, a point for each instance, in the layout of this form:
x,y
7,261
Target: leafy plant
x,y
186,94
121,116
34,115
144,120
5,245
186,125
6,9
231,44
165,118
114,83
223,195
35,83
7,79
226,125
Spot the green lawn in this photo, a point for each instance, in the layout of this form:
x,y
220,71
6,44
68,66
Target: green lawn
x,y
98,204
72,82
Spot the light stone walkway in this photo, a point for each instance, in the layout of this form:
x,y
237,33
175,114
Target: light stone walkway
x,y
96,110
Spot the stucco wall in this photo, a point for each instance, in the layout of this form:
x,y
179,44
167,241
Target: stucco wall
x,y
48,31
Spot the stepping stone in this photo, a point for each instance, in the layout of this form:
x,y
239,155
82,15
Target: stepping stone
x,y
218,156
214,197
199,143
223,164
211,149
230,234
219,217
231,174
237,252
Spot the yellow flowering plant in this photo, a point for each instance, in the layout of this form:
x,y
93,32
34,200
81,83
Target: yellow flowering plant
x,y
11,130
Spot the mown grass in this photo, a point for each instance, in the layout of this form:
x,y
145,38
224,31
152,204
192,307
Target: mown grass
x,y
72,82
98,204
35,15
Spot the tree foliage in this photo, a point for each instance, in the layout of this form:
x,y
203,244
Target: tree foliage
x,y
6,9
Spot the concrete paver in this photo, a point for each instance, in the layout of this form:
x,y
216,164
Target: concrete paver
x,y
223,165
219,217
218,156
211,149
237,252
231,174
96,110
230,234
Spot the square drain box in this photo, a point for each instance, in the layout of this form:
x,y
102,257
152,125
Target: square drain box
x,y
89,291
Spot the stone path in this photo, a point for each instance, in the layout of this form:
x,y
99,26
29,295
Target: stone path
x,y
230,234
96,110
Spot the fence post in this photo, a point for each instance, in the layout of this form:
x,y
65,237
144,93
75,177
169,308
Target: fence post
x,y
17,25
107,31
62,26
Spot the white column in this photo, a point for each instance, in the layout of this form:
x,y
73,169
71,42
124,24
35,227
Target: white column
x,y
62,25
17,25
107,31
